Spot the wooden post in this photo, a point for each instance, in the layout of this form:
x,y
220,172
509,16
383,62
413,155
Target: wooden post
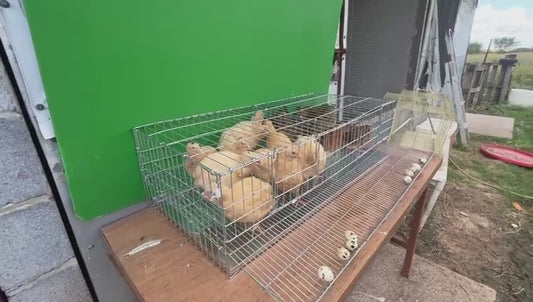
x,y
505,82
498,86
413,234
484,84
491,82
487,52
480,73
507,71
473,79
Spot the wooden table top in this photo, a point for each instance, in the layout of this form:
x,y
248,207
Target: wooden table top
x,y
176,270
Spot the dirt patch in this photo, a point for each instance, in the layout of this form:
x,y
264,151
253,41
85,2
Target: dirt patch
x,y
470,231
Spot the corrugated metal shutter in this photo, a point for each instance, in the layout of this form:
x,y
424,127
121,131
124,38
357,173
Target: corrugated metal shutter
x,y
383,45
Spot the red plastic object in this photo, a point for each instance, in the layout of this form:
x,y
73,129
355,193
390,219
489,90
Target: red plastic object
x,y
508,154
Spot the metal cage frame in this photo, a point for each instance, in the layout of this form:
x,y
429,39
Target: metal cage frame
x,y
348,128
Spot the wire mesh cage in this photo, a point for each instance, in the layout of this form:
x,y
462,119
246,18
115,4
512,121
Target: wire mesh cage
x,y
237,181
422,120
357,204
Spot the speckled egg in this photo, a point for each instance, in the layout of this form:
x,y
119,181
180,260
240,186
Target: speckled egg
x,y
409,172
343,254
347,234
325,274
352,238
351,244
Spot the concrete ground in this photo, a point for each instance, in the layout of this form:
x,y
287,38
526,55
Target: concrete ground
x,y
428,282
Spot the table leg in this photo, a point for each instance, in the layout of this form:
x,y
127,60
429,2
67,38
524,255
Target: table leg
x,y
413,234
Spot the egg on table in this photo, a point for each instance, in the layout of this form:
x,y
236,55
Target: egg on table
x,y
416,167
343,254
325,274
351,244
348,234
409,172
352,238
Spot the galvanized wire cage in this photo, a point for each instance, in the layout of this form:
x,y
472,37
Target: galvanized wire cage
x,y
237,181
422,120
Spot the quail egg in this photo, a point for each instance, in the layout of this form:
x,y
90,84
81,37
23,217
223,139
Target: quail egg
x,y
343,254
325,273
407,179
352,238
409,172
416,167
351,244
348,234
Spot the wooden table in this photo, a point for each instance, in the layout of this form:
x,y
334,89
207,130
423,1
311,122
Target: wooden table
x,y
176,270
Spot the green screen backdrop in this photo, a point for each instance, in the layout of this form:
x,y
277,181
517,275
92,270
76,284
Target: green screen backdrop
x,y
109,66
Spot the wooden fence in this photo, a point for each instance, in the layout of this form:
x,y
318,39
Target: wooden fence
x,y
488,82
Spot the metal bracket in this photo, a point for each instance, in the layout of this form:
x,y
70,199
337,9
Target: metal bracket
x,y
16,37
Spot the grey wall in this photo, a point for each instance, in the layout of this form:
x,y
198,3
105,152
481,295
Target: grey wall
x,y
37,262
382,47
62,283
107,281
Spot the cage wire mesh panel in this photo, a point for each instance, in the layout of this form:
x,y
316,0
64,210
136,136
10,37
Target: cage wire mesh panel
x,y
358,202
246,183
422,120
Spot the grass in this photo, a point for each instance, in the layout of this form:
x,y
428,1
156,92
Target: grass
x,y
523,72
523,128
523,57
507,176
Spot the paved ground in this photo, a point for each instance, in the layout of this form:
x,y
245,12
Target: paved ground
x,y
428,282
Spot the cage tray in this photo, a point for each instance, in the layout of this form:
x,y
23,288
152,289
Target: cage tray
x,y
288,270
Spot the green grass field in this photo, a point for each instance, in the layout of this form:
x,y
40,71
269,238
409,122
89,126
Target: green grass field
x,y
523,73
507,176
523,57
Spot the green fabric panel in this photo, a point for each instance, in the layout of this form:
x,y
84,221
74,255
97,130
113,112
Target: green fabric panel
x,y
109,66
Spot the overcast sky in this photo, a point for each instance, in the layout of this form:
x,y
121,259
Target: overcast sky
x,y
498,18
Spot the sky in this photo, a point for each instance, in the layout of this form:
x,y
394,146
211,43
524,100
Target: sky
x,y
499,18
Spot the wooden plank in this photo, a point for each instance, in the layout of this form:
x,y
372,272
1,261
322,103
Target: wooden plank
x,y
342,287
174,270
399,240
481,80
491,84
507,71
484,83
414,227
468,75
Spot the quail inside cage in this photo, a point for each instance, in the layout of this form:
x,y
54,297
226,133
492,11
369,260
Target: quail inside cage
x,y
239,180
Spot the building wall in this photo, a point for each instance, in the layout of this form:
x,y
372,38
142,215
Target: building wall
x,y
37,262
